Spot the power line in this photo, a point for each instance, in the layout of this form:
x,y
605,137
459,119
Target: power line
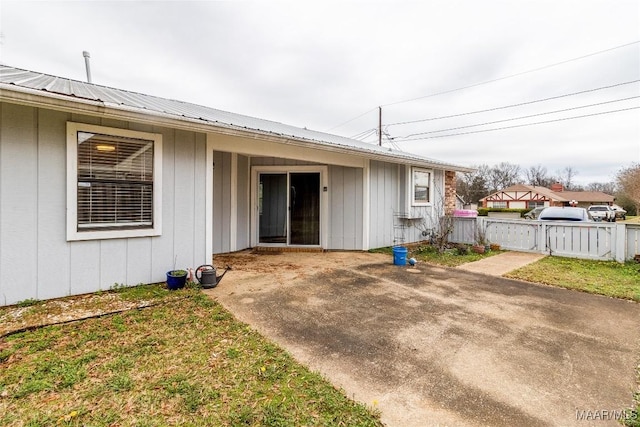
x,y
512,75
522,125
520,118
390,140
486,82
364,134
513,105
359,134
350,120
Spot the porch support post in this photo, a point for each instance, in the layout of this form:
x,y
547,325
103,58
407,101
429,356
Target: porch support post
x,y
233,221
366,192
209,201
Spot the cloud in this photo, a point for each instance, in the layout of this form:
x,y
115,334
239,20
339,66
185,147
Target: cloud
x,y
320,64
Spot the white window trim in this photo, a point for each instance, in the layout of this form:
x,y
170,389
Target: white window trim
x,y
410,190
72,183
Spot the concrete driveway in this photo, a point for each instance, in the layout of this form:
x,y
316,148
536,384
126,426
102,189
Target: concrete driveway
x,y
440,346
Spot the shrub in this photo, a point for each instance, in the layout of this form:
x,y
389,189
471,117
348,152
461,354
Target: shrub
x,y
462,249
485,211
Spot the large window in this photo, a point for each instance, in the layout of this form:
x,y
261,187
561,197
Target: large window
x,y
113,182
421,186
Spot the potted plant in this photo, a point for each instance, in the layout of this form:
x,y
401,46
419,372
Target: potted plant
x,y
176,279
479,249
481,243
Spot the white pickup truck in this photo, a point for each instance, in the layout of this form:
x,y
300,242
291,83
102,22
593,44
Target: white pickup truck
x,y
602,213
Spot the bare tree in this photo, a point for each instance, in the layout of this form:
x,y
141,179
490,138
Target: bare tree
x,y
503,175
538,176
472,186
628,180
436,224
605,187
566,177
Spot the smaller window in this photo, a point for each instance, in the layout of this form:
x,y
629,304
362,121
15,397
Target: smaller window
x,y
500,205
421,186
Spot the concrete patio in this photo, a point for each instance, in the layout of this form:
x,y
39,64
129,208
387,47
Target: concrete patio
x,y
431,346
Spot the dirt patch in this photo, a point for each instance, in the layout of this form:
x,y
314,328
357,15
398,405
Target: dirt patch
x,y
256,262
266,269
62,310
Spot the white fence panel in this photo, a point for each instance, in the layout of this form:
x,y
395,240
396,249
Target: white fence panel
x,y
584,240
633,241
518,235
589,240
463,230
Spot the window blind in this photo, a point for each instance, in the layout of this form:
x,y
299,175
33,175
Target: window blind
x,y
115,182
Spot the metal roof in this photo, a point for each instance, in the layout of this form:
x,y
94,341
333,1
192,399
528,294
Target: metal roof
x,y
48,85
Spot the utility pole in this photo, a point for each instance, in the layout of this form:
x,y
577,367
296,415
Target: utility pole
x,y
380,126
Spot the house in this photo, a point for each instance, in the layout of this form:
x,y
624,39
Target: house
x,y
101,186
522,196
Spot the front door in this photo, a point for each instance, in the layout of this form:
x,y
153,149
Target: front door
x,y
289,208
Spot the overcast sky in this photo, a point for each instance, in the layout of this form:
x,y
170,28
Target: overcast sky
x,y
328,66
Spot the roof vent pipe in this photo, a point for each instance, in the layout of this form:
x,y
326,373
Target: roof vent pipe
x,y
87,65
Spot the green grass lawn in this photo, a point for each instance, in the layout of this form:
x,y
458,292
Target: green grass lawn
x,y
449,258
632,219
608,278
185,361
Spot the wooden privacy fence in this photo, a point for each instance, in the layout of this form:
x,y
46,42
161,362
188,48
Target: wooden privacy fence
x,y
590,240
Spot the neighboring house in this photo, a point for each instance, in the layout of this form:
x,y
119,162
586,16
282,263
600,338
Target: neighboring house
x,y
100,186
522,196
461,204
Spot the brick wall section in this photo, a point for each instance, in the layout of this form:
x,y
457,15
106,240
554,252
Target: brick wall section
x,y
449,192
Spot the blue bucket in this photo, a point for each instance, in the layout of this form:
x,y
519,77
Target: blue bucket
x,y
399,255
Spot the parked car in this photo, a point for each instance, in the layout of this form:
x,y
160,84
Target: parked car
x,y
558,213
602,213
620,213
533,213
